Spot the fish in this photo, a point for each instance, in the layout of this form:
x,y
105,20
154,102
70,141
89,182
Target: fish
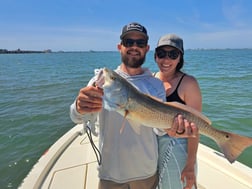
x,y
144,110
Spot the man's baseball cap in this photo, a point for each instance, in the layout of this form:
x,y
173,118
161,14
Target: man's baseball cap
x,y
134,27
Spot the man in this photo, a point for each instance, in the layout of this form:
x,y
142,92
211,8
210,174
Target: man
x,y
129,160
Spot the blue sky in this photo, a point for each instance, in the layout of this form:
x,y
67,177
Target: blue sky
x,y
80,25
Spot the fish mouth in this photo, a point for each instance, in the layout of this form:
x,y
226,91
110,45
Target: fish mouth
x,y
105,71
106,77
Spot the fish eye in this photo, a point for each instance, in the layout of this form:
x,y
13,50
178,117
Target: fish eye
x,y
112,77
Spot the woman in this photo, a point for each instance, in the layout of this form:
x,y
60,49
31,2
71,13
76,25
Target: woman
x,y
177,156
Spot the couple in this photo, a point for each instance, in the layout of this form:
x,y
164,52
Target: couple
x,y
155,158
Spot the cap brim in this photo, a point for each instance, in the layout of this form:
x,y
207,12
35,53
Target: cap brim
x,y
129,32
163,45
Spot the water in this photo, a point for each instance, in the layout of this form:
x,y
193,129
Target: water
x,y
36,91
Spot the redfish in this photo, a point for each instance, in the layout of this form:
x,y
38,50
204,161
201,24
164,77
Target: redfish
x,y
143,110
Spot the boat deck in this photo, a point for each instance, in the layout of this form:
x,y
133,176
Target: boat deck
x,y
78,173
71,163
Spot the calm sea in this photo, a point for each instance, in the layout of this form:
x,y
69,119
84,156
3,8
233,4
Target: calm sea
x,y
36,91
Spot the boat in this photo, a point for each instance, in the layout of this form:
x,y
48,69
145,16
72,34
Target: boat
x,y
71,162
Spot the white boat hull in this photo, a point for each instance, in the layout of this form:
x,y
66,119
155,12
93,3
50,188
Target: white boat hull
x,y
71,163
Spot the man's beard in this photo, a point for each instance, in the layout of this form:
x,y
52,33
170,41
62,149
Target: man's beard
x,y
132,62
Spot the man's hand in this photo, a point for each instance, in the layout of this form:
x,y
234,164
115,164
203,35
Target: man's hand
x,y
89,100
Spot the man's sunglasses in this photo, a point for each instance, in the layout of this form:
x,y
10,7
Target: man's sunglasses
x,y
173,54
141,43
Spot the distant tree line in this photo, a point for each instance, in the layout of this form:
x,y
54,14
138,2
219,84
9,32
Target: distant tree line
x,y
5,51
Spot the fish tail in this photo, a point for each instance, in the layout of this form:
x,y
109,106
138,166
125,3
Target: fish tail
x,y
233,145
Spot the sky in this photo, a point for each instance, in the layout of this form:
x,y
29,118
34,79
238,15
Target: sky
x,y
83,25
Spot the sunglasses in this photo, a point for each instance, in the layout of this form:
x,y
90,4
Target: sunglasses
x,y
141,43
173,54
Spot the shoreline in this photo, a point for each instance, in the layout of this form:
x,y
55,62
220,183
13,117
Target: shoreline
x,y
19,51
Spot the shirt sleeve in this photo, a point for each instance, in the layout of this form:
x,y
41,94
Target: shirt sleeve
x,y
75,116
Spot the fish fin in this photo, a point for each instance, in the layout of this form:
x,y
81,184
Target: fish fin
x,y
123,126
124,121
189,109
233,145
135,126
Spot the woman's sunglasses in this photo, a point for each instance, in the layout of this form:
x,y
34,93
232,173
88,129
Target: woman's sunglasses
x,y
173,54
141,43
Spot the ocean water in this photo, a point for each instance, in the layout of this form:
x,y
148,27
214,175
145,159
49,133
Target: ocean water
x,y
36,91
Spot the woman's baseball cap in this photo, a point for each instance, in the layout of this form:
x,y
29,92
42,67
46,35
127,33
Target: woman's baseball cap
x,y
171,40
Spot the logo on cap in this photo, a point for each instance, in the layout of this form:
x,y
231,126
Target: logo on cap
x,y
135,26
